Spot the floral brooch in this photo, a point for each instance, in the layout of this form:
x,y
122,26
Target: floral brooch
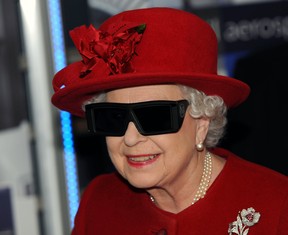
x,y
245,219
113,50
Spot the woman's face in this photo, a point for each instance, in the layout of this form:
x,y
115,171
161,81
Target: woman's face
x,y
158,160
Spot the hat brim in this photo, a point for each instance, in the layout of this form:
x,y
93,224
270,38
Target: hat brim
x,y
72,97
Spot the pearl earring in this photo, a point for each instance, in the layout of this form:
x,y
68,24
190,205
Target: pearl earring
x,y
200,147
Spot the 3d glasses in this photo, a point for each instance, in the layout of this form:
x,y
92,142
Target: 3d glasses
x,y
150,118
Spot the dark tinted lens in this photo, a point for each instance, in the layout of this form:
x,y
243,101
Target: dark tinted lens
x,y
109,120
154,119
150,118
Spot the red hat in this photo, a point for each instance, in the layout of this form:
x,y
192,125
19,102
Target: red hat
x,y
144,47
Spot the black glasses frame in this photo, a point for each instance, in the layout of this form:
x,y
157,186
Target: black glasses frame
x,y
132,113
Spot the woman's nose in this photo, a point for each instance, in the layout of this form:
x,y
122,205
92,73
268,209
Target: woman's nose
x,y
132,136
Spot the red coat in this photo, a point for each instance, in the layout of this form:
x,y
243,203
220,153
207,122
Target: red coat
x,y
110,206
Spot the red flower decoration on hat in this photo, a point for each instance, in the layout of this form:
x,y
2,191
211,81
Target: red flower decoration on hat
x,y
113,50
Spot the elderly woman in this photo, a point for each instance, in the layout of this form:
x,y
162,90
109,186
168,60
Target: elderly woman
x,y
148,82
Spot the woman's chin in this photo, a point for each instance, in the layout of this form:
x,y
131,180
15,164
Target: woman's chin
x,y
142,184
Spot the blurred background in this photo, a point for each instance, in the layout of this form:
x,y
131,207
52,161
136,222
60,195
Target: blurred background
x,y
47,158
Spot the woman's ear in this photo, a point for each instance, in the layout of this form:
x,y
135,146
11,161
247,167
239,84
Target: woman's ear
x,y
202,129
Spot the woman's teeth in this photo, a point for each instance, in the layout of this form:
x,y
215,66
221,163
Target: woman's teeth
x,y
142,159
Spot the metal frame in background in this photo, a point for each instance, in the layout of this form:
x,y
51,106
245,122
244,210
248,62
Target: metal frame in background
x,y
44,58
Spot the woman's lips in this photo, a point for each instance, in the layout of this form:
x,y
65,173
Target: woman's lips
x,y
141,160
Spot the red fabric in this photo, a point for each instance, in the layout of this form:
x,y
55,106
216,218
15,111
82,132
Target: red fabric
x,y
110,206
